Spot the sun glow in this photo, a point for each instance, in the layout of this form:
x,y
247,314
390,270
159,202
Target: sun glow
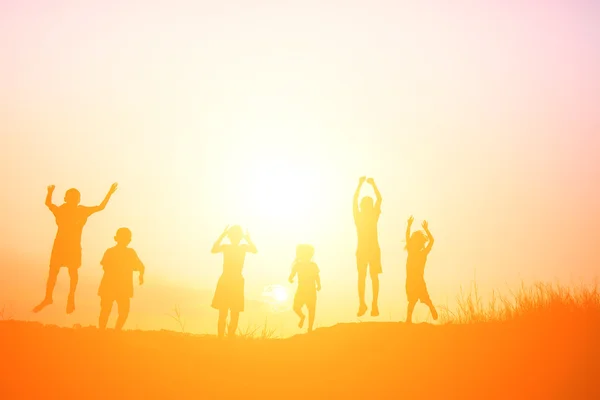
x,y
282,193
276,296
279,190
280,294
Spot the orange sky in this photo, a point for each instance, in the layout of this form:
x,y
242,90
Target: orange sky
x,y
481,119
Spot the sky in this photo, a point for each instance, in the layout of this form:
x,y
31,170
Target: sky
x,y
481,117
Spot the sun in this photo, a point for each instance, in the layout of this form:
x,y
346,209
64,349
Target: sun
x,y
280,294
278,188
276,293
280,191
277,177
276,296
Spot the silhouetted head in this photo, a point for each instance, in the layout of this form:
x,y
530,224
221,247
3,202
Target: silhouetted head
x,y
417,241
235,234
123,236
73,197
366,204
304,252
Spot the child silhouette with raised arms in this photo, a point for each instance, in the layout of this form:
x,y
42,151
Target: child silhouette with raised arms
x,y
229,295
368,253
70,218
416,289
118,263
309,282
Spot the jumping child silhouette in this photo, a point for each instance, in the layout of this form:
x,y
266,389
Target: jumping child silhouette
x,y
70,218
416,289
229,295
118,263
309,282
368,253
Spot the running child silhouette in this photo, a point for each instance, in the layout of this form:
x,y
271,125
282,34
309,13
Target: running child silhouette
x,y
229,295
70,218
118,263
416,289
368,253
309,282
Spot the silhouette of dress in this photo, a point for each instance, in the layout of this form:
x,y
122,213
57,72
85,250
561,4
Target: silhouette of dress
x,y
229,294
416,288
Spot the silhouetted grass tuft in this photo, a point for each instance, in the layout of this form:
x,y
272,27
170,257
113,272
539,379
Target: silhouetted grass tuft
x,y
257,332
539,301
178,318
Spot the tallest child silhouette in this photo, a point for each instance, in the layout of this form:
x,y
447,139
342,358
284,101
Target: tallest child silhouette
x,y
368,254
70,218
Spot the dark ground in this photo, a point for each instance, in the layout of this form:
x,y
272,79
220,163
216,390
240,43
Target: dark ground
x,y
362,360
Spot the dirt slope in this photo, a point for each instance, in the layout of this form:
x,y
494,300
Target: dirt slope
x,y
364,360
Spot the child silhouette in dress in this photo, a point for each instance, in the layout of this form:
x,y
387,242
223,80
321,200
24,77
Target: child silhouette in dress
x,y
229,295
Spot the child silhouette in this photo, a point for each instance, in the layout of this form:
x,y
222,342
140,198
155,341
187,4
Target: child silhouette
x,y
416,289
229,295
309,282
118,263
66,252
368,253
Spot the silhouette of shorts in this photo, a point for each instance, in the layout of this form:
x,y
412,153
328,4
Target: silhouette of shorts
x,y
369,258
230,293
122,302
65,256
305,297
416,290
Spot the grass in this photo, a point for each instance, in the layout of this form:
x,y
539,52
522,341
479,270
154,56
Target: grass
x,y
539,301
251,331
178,318
257,332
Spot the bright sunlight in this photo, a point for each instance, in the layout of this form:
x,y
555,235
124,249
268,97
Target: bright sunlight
x,y
276,296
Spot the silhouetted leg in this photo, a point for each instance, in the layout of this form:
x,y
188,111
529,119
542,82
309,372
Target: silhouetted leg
x,y
105,309
233,323
362,278
298,311
52,275
124,305
74,275
409,312
311,316
375,283
222,322
434,313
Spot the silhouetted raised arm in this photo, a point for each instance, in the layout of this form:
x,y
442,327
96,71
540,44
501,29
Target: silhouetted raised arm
x,y
408,226
49,203
429,235
371,181
361,181
102,206
251,246
218,247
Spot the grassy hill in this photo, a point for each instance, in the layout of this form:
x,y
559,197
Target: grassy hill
x,y
506,360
